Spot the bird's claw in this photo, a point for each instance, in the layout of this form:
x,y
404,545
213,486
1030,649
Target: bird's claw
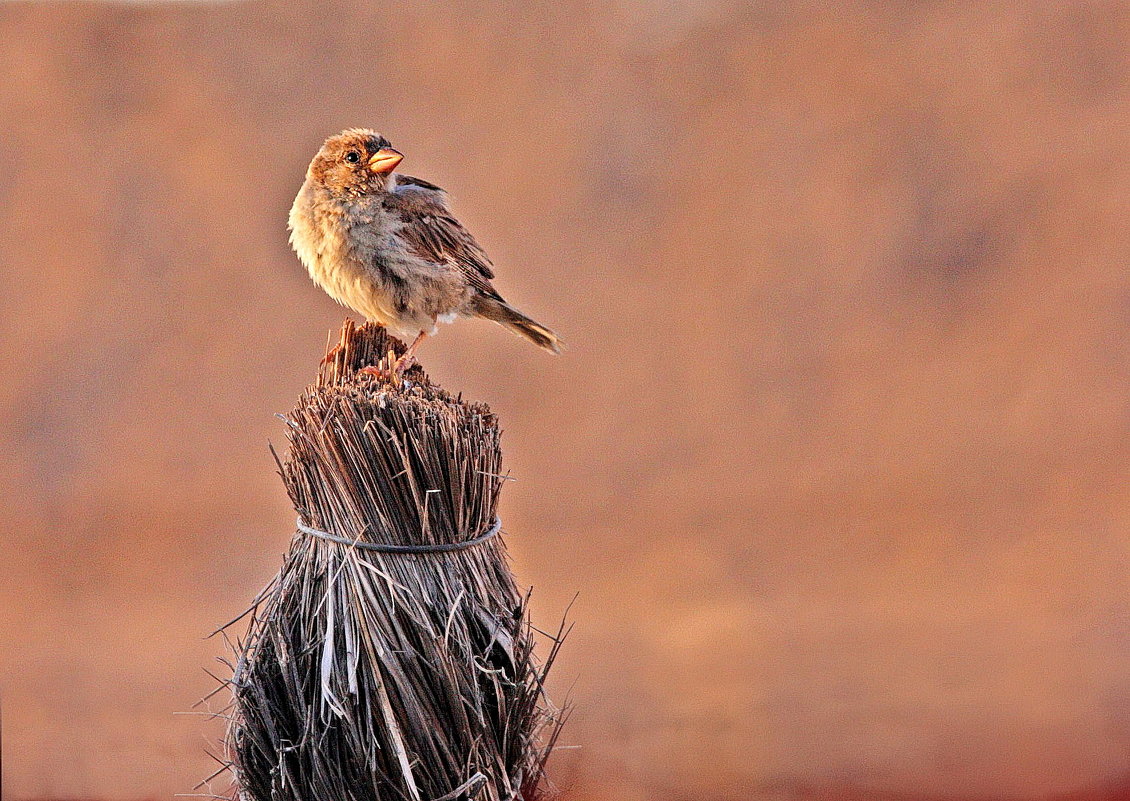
x,y
330,354
402,364
374,370
395,373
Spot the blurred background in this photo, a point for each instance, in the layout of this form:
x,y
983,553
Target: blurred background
x,y
837,460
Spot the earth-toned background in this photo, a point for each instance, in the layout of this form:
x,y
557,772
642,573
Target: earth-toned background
x,y
837,460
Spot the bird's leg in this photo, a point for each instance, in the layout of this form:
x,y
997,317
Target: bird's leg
x,y
405,361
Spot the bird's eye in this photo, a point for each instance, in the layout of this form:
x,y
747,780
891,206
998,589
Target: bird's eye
x,y
353,157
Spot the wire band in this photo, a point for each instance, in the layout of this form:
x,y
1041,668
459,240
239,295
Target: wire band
x,y
381,547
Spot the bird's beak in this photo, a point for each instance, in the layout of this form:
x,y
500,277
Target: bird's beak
x,y
385,160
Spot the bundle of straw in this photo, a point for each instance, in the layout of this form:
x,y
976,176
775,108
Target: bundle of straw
x,y
368,675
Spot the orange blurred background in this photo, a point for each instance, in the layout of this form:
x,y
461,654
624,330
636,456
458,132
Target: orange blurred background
x,y
837,460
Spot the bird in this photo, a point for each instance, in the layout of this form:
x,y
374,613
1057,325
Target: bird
x,y
387,245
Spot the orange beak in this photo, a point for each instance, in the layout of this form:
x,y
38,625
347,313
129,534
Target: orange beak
x,y
385,160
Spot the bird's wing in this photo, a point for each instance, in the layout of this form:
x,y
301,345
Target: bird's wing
x,y
412,182
431,232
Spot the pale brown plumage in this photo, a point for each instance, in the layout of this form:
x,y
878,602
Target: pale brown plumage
x,y
387,246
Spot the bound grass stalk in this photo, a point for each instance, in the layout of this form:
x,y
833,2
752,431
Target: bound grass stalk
x,y
369,675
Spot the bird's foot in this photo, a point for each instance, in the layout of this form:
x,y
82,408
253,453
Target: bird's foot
x,y
374,370
402,364
390,368
330,354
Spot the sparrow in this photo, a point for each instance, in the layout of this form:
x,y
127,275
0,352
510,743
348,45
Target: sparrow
x,y
387,246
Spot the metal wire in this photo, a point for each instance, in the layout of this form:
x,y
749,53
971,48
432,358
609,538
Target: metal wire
x,y
439,547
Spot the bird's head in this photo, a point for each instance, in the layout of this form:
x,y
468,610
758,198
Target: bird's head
x,y
355,162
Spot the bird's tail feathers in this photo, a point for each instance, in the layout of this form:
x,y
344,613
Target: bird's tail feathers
x,y
508,317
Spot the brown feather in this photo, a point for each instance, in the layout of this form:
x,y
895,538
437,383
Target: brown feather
x,y
430,232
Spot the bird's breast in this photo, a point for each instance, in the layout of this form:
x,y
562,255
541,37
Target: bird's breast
x,y
321,236
355,254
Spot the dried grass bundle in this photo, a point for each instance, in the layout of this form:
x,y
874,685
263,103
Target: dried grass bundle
x,y
367,675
